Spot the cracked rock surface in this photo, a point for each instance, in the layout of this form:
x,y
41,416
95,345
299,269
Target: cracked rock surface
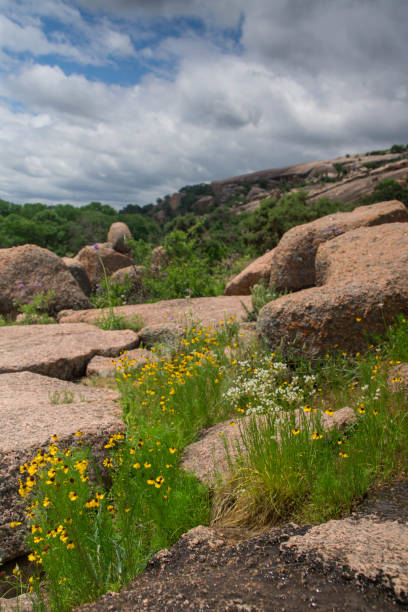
x,y
60,351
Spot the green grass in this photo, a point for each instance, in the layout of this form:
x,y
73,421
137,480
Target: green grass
x,y
34,311
311,475
109,320
87,537
261,294
93,527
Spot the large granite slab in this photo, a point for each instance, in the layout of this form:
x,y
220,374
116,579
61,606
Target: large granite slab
x,y
206,311
60,351
32,409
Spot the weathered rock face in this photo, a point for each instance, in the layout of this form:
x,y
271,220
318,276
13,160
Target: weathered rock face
x,y
256,193
316,320
367,253
258,270
204,203
355,176
293,267
207,311
26,271
366,286
207,458
32,409
118,234
78,272
100,259
236,570
366,546
133,273
175,201
361,181
61,351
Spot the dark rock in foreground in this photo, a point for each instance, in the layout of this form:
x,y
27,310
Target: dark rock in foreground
x,y
235,570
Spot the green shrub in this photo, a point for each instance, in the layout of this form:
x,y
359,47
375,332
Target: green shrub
x,y
36,310
261,295
296,471
266,225
182,272
398,148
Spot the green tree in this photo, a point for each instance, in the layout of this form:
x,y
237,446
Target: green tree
x,y
388,189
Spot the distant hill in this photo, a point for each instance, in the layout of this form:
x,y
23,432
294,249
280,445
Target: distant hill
x,y
243,215
346,179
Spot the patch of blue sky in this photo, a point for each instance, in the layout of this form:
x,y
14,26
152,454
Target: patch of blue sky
x,y
125,72
146,34
234,35
15,106
53,27
182,27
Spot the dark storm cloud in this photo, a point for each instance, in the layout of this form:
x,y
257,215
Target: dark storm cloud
x,y
321,35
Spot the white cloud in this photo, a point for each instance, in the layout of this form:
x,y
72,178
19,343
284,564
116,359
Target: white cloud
x,y
42,87
23,38
297,89
82,42
117,44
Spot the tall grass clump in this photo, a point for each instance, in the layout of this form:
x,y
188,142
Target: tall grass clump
x,y
109,295
86,539
261,294
94,524
184,393
291,470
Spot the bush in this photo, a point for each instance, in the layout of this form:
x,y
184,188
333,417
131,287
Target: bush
x,y
266,225
388,189
182,272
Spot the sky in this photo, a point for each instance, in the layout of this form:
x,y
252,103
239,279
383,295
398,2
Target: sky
x,y
126,101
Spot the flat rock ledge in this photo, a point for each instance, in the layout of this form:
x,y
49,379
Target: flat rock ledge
x,y
207,458
191,311
361,547
32,409
59,351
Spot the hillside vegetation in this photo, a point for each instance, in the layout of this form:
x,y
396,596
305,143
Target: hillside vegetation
x,y
223,221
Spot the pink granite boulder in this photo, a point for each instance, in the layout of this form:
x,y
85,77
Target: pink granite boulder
x,y
364,272
28,270
258,270
101,259
293,265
